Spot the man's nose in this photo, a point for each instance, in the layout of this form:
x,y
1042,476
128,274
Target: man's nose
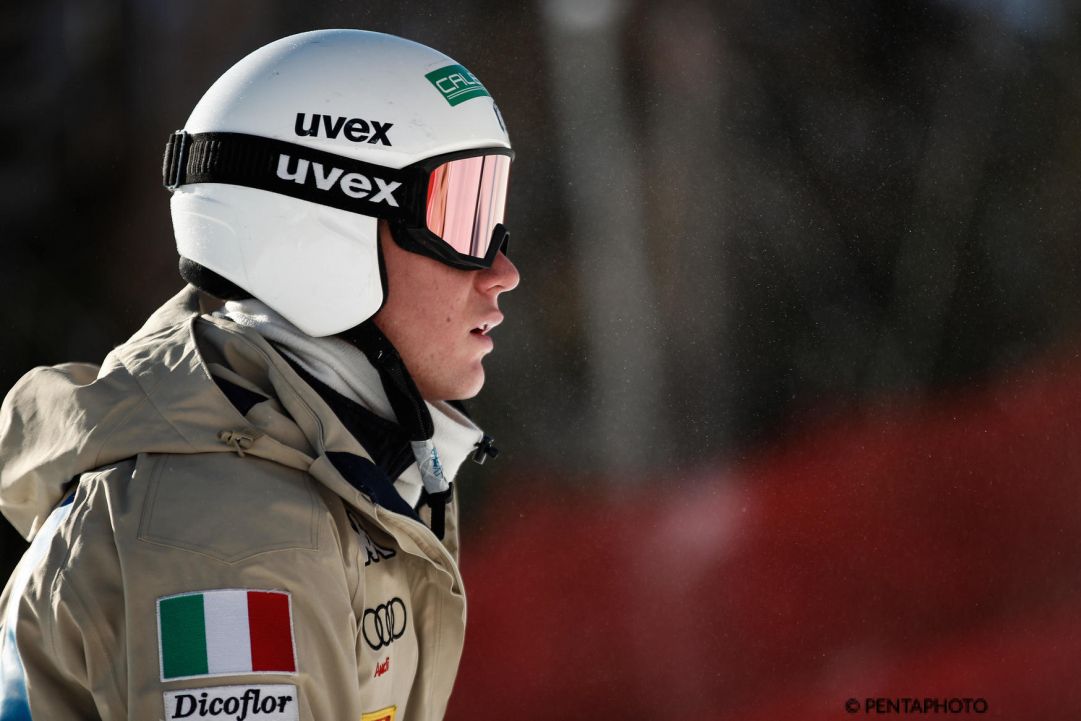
x,y
501,277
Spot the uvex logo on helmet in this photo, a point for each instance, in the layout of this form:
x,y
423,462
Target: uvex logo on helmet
x,y
355,185
353,129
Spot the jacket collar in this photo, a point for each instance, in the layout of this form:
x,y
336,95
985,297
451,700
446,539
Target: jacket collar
x,y
347,381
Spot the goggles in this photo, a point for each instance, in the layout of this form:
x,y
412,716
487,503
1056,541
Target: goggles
x,y
457,208
448,207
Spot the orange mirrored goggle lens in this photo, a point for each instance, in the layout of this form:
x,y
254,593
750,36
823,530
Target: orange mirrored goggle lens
x,y
466,199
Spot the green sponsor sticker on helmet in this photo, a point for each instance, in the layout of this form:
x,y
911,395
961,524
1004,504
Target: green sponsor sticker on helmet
x,y
456,84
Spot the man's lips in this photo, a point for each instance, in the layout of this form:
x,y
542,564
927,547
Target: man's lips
x,y
486,325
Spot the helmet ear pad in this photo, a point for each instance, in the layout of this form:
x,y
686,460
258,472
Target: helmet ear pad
x,y
319,267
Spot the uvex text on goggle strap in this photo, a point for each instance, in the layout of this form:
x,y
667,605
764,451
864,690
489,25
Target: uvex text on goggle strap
x,y
448,207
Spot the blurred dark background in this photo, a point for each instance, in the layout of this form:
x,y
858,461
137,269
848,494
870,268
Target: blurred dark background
x,y
787,394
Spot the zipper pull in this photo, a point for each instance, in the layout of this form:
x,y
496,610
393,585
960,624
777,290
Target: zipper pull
x,y
485,450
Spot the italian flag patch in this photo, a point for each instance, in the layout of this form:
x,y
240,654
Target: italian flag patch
x,y
227,631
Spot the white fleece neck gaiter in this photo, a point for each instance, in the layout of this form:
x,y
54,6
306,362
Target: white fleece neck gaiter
x,y
344,368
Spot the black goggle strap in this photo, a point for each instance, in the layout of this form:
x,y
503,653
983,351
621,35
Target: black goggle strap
x,y
412,414
402,393
289,169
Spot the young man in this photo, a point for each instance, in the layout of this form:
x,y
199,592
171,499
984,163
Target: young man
x,y
249,513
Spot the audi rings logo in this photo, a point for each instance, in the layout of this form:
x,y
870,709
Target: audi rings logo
x,y
384,624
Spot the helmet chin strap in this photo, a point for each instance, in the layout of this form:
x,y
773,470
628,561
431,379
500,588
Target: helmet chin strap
x,y
412,414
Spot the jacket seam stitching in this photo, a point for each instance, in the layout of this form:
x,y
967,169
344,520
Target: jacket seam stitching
x,y
89,626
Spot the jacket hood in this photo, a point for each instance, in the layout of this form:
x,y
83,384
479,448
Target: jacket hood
x,y
153,394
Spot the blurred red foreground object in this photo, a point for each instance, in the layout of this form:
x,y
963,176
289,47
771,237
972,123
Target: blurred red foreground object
x,y
928,552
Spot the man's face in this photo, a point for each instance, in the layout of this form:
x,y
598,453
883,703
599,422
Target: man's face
x,y
439,318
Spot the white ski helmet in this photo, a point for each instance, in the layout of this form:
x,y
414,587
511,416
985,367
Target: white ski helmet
x,y
288,161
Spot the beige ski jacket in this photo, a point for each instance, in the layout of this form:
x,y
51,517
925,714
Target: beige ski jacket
x,y
195,559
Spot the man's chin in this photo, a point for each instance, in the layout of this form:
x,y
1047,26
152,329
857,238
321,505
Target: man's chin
x,y
458,389
471,392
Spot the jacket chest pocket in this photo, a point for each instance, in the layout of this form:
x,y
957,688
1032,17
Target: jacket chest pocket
x,y
227,508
